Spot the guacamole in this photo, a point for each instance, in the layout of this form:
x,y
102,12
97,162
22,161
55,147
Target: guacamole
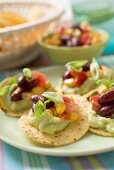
x,y
15,106
87,86
99,122
47,123
7,103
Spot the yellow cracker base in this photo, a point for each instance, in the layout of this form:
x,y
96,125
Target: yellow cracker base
x,y
70,134
101,132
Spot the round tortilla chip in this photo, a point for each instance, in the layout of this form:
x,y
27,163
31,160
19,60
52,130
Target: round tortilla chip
x,y
73,132
82,102
101,132
86,107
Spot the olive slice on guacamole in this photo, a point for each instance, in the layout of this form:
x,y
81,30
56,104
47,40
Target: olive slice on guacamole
x,y
54,119
81,76
16,91
101,116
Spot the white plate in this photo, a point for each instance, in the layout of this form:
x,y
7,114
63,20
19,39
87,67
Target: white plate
x,y
89,144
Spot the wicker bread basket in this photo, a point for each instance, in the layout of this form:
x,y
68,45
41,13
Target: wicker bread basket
x,y
18,44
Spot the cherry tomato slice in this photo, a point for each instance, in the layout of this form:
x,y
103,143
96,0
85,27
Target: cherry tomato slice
x,y
64,116
94,98
85,39
66,99
40,78
80,77
62,30
95,103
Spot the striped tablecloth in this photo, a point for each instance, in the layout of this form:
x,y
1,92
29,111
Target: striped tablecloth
x,y
15,159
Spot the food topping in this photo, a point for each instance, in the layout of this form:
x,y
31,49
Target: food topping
x,y
75,76
28,81
77,35
36,98
102,89
106,111
67,75
25,83
95,103
86,67
40,78
52,112
16,94
107,96
95,69
53,102
104,104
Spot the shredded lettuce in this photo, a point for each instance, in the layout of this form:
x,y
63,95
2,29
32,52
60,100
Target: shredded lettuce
x,y
76,65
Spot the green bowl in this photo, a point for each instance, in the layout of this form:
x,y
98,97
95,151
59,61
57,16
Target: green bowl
x,y
62,55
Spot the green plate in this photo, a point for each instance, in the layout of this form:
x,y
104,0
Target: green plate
x,y
89,144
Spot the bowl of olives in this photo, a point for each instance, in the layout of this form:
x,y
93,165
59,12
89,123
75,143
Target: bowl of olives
x,y
74,43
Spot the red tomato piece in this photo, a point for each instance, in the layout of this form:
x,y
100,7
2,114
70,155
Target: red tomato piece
x,y
95,103
94,98
72,107
66,99
62,30
64,116
80,78
40,78
85,39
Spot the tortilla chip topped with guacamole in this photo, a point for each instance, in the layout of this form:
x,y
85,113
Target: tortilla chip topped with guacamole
x,y
81,76
101,116
55,119
16,91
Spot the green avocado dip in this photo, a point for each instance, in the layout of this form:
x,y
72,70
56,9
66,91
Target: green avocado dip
x,y
16,106
11,105
96,121
43,119
5,92
47,123
87,86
